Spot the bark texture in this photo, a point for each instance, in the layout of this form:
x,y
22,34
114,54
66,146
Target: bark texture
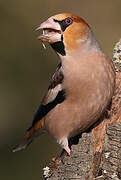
x,y
97,156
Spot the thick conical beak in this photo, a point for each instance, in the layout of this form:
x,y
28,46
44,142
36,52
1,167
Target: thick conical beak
x,y
50,30
49,24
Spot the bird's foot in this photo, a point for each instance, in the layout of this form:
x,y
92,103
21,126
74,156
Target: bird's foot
x,y
60,158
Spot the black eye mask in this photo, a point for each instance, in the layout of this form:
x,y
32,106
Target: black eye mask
x,y
59,46
65,23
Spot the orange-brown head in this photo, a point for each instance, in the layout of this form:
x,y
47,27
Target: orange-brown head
x,y
64,32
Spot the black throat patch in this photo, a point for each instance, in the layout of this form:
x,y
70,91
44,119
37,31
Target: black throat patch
x,y
59,47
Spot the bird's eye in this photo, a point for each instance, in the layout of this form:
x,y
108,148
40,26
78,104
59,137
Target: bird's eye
x,y
68,21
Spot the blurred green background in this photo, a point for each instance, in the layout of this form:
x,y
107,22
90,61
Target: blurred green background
x,y
25,70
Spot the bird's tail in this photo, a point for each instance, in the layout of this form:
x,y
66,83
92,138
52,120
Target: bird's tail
x,y
31,133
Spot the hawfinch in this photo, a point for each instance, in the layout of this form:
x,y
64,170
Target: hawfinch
x,y
81,87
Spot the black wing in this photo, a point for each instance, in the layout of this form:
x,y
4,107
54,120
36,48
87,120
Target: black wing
x,y
55,95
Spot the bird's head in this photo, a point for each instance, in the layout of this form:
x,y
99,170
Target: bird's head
x,y
65,32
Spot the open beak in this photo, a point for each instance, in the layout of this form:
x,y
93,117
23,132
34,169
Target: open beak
x,y
51,31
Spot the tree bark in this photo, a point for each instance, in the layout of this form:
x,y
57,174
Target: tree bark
x,y
97,156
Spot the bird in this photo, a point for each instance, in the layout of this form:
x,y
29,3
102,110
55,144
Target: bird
x,y
81,87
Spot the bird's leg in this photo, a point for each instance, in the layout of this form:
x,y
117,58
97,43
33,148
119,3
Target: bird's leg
x,y
61,157
65,152
67,149
107,111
